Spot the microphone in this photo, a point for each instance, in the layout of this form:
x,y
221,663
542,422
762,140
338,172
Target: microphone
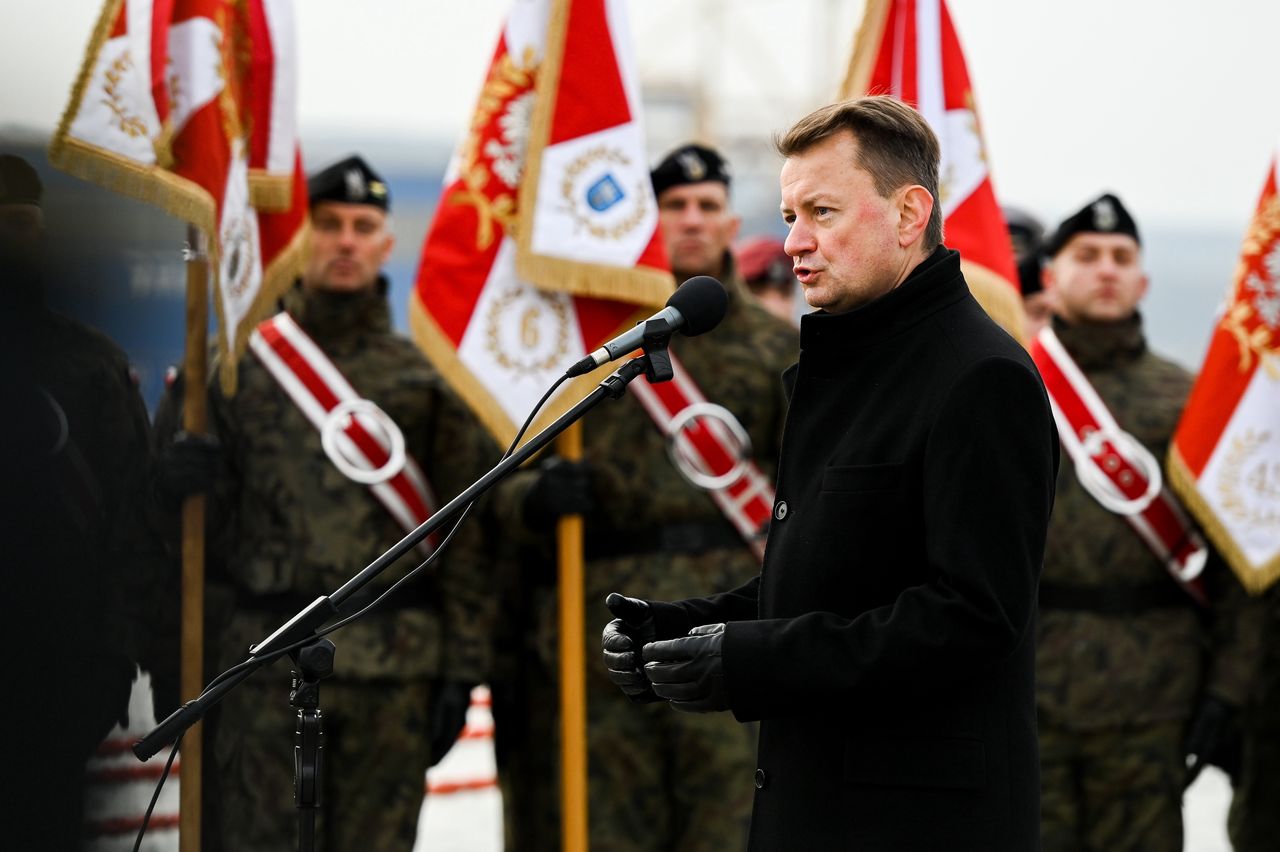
x,y
697,306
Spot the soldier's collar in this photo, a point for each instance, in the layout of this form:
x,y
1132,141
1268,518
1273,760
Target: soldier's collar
x,y
1094,345
333,316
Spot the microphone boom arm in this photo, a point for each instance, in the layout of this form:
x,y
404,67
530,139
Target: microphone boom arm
x,y
306,622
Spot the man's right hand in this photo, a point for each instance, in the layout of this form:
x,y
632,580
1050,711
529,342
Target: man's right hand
x,y
188,465
630,630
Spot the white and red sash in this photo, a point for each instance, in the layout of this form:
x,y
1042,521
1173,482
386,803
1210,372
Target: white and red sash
x,y
1115,469
709,448
361,440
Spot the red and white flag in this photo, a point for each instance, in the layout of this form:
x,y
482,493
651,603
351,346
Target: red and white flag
x,y
545,243
909,49
160,112
1224,461
270,91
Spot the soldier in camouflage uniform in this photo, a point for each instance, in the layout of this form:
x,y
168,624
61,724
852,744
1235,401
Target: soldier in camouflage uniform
x,y
286,525
75,454
657,780
1132,677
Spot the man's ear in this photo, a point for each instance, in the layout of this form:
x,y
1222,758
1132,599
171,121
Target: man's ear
x,y
915,206
1048,280
387,247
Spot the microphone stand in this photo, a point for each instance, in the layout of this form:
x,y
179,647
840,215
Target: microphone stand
x,y
315,661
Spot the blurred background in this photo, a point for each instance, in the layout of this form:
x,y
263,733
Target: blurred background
x,y
1171,105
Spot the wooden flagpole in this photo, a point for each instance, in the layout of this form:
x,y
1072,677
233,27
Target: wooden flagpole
x,y
194,422
573,699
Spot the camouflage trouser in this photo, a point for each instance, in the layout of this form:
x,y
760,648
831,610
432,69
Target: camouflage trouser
x,y
659,781
1254,823
1113,790
375,757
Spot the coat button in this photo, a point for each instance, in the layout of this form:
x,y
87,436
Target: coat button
x,y
780,510
761,779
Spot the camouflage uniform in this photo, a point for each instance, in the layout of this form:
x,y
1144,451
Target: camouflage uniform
x,y
1123,655
1255,821
285,526
658,780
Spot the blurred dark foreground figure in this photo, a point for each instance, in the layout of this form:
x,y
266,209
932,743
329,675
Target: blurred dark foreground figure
x,y
74,462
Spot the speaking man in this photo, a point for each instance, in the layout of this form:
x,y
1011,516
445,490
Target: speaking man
x,y
887,646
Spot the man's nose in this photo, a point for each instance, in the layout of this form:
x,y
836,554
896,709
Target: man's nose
x,y
347,236
799,240
692,217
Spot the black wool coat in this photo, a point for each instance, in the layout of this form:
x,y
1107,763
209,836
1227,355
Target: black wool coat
x,y
888,644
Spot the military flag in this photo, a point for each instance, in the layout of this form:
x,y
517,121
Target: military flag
x,y
909,49
1224,461
172,102
545,241
545,245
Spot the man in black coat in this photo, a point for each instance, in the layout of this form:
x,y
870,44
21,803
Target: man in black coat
x,y
887,646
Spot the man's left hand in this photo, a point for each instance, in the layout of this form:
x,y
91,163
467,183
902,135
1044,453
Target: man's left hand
x,y
689,671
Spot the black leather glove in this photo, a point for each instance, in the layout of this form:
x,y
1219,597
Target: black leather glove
x,y
621,643
188,465
563,488
449,702
1213,738
689,671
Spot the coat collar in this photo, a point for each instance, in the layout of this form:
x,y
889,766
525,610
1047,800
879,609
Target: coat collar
x,y
931,286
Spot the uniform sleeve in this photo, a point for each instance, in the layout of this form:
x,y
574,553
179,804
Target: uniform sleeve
x,y
467,572
989,467
164,601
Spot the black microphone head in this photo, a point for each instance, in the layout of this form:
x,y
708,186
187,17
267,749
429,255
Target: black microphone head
x,y
702,301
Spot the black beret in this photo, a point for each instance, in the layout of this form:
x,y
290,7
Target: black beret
x,y
19,183
1103,215
690,163
1029,280
1025,230
350,181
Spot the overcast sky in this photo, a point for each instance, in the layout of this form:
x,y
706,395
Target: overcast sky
x,y
1173,104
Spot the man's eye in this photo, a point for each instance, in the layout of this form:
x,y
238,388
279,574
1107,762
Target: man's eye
x,y
821,211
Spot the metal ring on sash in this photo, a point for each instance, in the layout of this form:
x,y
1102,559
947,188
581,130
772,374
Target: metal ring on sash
x,y
336,423
1099,484
707,481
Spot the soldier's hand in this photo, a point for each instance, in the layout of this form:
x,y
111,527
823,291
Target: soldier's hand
x,y
689,671
563,488
188,465
1213,738
448,716
621,643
